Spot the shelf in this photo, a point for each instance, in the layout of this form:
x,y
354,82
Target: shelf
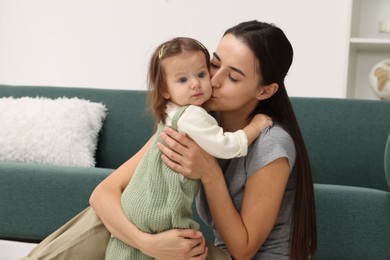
x,y
370,44
367,46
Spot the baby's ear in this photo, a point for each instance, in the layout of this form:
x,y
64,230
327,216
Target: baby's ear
x,y
268,91
166,95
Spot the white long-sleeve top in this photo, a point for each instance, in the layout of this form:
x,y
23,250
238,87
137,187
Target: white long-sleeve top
x,y
205,131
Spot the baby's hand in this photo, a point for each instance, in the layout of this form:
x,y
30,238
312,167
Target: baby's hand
x,y
256,126
261,121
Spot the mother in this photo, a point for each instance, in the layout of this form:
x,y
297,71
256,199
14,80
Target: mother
x,y
261,206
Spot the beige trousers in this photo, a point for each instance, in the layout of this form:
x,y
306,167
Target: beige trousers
x,y
85,238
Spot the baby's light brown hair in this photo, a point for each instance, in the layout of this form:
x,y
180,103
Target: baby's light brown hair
x,y
157,78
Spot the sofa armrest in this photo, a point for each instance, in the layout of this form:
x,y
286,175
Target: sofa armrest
x,y
387,161
37,199
352,222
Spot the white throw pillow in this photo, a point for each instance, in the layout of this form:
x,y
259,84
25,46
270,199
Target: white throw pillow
x,y
62,131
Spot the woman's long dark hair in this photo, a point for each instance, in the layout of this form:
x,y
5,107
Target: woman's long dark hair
x,y
274,54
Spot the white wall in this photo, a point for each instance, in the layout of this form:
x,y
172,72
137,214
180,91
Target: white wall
x,y
107,43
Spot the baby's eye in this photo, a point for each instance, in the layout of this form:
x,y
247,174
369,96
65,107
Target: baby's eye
x,y
183,80
202,74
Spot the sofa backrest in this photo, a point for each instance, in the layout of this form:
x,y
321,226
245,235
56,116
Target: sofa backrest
x,y
126,128
346,139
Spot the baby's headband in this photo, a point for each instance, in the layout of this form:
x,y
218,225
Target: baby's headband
x,y
161,51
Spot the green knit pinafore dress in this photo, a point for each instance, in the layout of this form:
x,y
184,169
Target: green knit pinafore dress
x,y
156,199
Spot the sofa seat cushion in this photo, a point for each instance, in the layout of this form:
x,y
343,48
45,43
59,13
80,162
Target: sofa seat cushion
x,y
352,222
37,199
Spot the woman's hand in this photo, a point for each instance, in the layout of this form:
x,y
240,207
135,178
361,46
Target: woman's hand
x,y
176,244
185,156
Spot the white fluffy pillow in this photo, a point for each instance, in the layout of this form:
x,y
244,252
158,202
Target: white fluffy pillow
x,y
61,131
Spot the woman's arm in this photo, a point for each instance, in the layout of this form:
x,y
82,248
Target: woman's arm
x,y
243,232
106,201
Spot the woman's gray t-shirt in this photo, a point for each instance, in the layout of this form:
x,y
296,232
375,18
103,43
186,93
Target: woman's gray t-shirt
x,y
272,144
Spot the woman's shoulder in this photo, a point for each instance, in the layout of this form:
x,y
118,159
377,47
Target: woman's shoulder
x,y
275,134
271,137
274,142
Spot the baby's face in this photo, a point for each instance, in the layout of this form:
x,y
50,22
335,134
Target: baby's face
x,y
187,78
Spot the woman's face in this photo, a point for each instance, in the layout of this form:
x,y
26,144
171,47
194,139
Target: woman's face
x,y
235,78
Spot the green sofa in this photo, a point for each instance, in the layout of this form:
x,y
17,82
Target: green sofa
x,y
348,143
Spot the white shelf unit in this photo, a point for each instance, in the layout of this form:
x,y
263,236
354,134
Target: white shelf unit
x,y
367,46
